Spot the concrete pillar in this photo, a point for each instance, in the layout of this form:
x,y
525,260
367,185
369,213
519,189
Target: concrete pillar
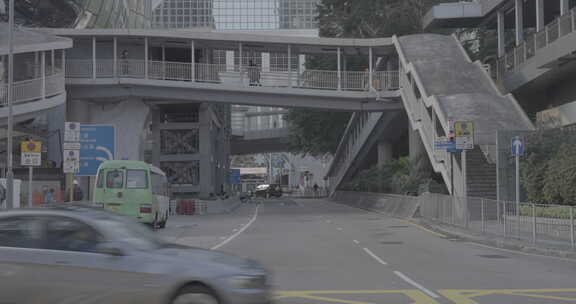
x,y
416,146
130,117
156,139
385,153
146,57
206,155
501,34
115,58
564,6
519,21
540,15
94,69
370,68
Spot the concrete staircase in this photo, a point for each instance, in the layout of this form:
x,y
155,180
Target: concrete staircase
x,y
482,180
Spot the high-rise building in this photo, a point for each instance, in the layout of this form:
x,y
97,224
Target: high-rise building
x,y
237,14
82,13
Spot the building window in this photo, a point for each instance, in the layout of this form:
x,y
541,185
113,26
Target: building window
x,y
182,173
179,141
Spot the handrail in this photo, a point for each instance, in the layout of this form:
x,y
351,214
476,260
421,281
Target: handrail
x,y
29,90
230,74
518,56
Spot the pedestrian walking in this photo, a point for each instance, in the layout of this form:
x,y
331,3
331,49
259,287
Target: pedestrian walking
x,y
316,194
253,73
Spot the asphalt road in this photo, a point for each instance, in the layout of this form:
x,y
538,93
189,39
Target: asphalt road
x,y
323,252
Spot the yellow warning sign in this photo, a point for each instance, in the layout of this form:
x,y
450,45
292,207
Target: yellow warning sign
x,y
31,146
464,128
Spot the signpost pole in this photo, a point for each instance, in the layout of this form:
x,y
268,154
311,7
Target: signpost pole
x,y
517,159
30,173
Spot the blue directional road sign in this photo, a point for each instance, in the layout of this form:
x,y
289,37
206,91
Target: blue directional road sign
x,y
98,144
234,176
518,146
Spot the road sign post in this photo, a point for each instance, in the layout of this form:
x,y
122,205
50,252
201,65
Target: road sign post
x,y
518,149
31,156
464,140
71,157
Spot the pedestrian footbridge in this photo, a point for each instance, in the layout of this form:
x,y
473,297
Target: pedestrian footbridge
x,y
426,79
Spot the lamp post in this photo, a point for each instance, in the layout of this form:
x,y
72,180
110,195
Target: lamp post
x,y
9,133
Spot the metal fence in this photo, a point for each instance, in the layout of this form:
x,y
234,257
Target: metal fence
x,y
548,225
231,75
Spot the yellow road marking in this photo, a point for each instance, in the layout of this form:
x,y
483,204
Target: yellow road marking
x,y
467,296
417,296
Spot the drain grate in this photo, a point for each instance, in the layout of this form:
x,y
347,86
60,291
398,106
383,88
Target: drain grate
x,y
391,243
399,226
492,256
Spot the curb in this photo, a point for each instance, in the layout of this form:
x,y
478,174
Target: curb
x,y
496,242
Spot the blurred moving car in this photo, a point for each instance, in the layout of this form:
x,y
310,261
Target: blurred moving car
x,y
79,254
268,190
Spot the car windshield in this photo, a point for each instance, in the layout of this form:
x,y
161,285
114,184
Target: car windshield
x,y
132,233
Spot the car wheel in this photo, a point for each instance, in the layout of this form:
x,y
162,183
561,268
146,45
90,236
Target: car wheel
x,y
195,295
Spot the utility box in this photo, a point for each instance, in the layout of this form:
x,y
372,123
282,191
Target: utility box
x,y
17,185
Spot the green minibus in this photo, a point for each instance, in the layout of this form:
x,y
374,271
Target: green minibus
x,y
135,189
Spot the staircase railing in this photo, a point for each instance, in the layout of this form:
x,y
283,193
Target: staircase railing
x,y
426,116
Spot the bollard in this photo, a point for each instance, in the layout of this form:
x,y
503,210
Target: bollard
x,y
572,226
504,219
533,224
482,216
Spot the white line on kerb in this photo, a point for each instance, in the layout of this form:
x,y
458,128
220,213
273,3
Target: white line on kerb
x,y
356,242
411,282
374,256
339,229
235,235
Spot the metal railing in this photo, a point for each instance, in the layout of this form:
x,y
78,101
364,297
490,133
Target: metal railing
x,y
232,75
550,225
519,55
29,90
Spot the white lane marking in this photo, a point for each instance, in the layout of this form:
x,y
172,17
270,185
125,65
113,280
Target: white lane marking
x,y
339,229
235,235
374,256
411,282
356,242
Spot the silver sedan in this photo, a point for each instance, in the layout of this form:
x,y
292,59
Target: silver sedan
x,y
81,255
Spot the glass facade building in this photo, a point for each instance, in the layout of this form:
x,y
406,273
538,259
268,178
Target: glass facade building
x,y
237,14
82,13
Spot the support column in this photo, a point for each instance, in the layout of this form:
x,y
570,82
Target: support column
x,y
501,34
519,13
415,144
206,155
385,153
370,69
52,62
156,113
240,63
115,59
339,71
564,6
146,66
193,61
540,15
94,57
163,62
289,66
43,73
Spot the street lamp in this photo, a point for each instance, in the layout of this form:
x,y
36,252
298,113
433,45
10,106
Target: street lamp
x,y
9,133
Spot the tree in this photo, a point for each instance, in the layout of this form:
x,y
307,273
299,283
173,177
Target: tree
x,y
317,132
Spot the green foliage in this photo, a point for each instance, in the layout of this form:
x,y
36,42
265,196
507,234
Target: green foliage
x,y
560,178
315,132
397,176
556,212
549,170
